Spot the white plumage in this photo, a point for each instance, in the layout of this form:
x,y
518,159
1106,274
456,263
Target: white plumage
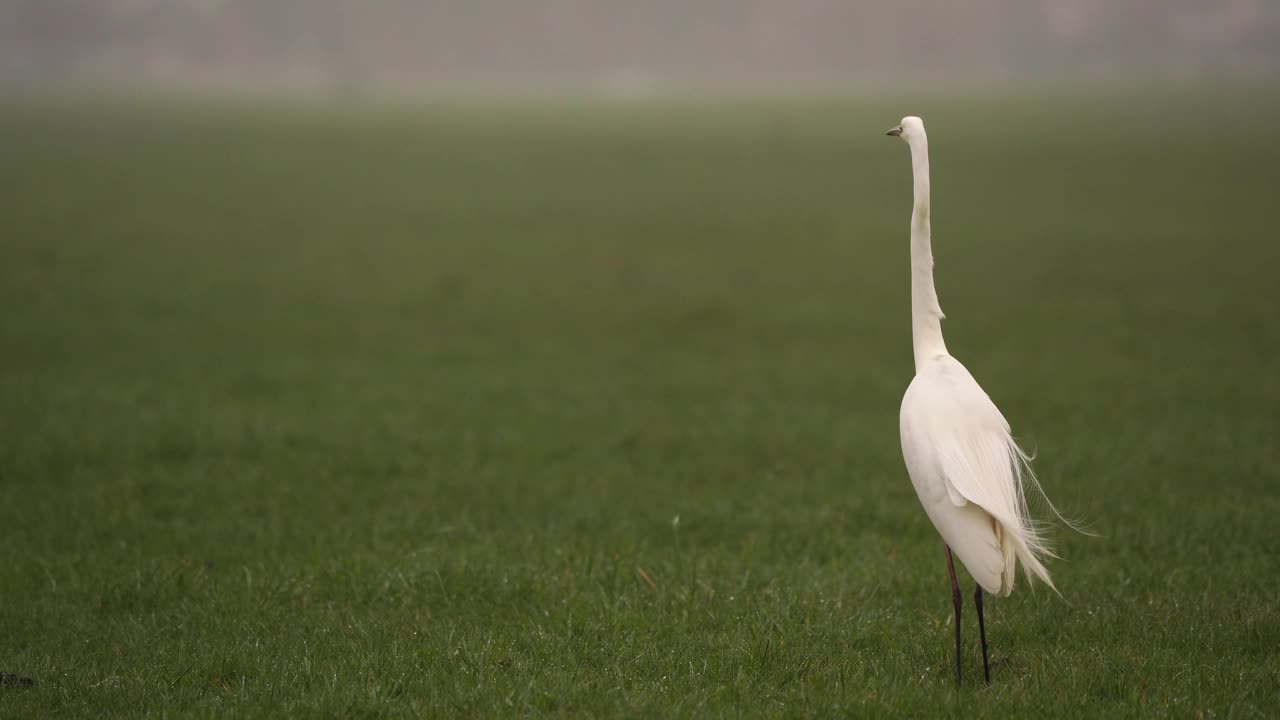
x,y
965,466
967,471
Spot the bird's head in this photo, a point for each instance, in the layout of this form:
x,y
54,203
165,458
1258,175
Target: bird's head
x,y
912,128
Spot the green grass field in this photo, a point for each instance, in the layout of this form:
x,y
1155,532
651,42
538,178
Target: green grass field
x,y
592,410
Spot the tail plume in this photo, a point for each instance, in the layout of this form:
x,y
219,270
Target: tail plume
x,y
1027,534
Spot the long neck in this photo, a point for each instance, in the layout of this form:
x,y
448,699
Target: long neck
x,y
926,314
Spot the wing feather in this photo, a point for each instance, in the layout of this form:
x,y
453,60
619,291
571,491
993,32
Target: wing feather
x,y
976,458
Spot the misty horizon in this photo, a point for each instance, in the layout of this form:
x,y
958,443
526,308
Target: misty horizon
x,y
620,48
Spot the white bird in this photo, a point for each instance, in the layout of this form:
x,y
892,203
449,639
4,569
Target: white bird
x,y
967,470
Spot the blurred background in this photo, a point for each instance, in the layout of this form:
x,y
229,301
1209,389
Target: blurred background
x,y
628,48
513,398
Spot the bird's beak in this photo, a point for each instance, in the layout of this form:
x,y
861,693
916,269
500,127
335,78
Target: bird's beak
x,y
894,131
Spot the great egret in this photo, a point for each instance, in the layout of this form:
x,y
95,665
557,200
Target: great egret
x,y
964,464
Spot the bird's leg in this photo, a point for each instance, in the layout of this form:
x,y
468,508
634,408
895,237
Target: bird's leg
x,y
957,602
982,632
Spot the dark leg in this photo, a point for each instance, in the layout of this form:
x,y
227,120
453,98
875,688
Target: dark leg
x,y
982,632
956,601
